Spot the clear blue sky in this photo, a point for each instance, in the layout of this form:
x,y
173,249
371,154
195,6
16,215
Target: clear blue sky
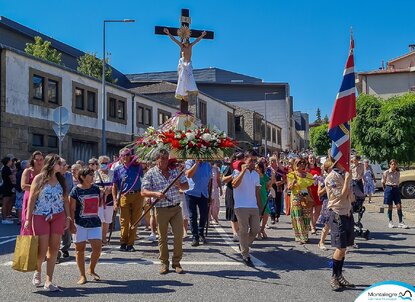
x,y
304,43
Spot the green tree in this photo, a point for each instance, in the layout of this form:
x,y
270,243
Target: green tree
x,y
319,139
90,65
318,117
326,119
42,49
385,129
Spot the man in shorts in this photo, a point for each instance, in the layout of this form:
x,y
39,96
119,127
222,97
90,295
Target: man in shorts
x,y
340,195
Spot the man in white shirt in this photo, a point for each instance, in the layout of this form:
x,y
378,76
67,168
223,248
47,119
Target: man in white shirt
x,y
248,205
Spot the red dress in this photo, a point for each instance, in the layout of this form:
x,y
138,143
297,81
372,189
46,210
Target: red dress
x,y
314,188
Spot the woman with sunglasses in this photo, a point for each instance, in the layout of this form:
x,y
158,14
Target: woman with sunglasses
x,y
48,216
298,182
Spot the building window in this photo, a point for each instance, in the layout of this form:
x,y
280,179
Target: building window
x,y
84,100
144,115
117,108
274,135
37,140
279,136
121,110
202,114
231,124
113,108
91,100
239,123
37,86
163,116
53,91
52,141
79,98
44,89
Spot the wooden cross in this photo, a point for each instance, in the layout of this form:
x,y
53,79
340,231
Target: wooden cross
x,y
185,20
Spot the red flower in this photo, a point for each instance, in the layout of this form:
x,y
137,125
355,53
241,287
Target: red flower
x,y
175,144
199,145
190,145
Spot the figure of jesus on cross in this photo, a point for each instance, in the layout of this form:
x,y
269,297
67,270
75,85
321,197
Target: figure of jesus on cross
x,y
186,85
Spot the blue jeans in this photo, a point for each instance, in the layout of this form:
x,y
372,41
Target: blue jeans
x,y
194,203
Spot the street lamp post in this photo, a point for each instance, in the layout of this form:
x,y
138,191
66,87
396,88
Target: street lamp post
x,y
265,116
103,134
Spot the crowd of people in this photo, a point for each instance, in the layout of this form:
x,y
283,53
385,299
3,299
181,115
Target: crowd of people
x,y
63,204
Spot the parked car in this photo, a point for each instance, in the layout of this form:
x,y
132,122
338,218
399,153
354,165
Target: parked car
x,y
407,184
378,171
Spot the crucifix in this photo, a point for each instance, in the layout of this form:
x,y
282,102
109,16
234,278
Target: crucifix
x,y
186,85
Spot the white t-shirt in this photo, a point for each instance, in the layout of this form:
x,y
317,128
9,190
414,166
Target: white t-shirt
x,y
245,194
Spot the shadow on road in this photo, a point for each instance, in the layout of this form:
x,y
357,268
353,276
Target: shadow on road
x,y
118,287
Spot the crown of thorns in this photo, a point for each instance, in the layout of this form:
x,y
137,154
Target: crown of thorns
x,y
184,33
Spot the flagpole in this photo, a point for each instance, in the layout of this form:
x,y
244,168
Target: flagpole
x,y
350,122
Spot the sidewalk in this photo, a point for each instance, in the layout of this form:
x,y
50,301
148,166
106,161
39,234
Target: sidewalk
x,y
408,206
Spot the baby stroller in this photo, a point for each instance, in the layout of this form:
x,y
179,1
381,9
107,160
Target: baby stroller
x,y
359,209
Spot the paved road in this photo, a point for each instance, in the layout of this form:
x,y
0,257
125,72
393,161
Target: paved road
x,y
285,271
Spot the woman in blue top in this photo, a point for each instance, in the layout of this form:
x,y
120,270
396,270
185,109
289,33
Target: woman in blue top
x,y
86,224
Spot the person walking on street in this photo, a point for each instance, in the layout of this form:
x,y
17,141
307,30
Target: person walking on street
x,y
36,164
85,222
167,208
103,177
368,180
48,215
198,174
248,206
390,184
340,196
131,202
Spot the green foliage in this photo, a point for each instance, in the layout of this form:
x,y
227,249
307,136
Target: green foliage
x,y
42,49
318,117
90,65
326,119
385,129
319,139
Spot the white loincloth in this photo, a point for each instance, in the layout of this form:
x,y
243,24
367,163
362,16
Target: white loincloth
x,y
186,84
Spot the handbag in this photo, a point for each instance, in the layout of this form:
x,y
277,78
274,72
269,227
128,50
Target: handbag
x,y
25,253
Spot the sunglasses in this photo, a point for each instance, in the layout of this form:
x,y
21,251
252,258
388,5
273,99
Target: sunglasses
x,y
93,163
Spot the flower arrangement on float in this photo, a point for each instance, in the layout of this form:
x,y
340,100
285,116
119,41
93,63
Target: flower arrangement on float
x,y
194,143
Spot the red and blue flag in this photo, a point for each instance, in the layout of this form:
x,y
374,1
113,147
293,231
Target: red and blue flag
x,y
344,110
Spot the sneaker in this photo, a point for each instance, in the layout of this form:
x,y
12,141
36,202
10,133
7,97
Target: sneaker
x,y
123,247
195,242
248,262
164,269
52,287
152,237
344,283
203,239
335,285
402,225
130,248
235,238
391,226
7,221
36,280
65,254
322,247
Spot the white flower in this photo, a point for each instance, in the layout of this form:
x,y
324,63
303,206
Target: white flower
x,y
206,137
190,136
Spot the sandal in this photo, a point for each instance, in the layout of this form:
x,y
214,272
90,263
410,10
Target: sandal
x,y
37,280
322,247
52,287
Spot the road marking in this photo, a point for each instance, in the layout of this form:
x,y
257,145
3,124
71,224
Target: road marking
x,y
4,237
147,262
9,240
225,236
